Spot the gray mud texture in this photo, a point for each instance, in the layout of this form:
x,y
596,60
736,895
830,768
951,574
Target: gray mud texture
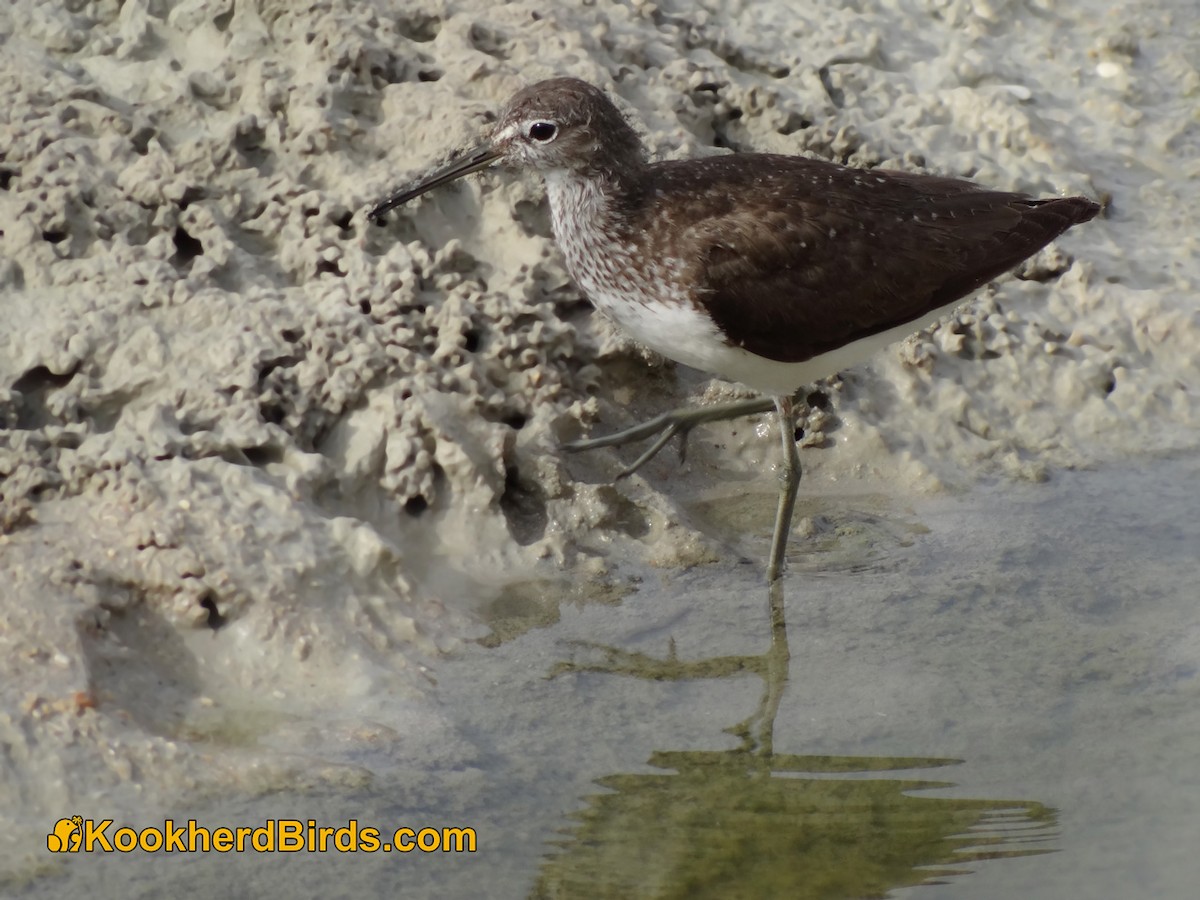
x,y
284,523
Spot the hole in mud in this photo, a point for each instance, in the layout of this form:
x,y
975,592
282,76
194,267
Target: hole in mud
x,y
267,366
485,40
516,421
719,140
534,218
430,75
33,387
191,195
795,122
6,178
40,379
471,341
262,456
215,620
365,307
329,267
419,28
818,400
54,236
414,506
250,139
187,248
524,508
271,413
140,140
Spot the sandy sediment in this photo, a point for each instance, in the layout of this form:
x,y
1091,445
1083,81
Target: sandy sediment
x,y
259,457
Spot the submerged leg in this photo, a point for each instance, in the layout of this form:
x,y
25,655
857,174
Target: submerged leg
x,y
669,424
789,477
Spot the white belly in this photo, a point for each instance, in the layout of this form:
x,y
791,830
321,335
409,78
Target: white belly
x,y
679,331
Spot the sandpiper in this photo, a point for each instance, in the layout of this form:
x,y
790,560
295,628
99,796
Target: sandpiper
x,y
764,269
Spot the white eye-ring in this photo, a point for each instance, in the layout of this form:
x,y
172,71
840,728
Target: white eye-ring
x,y
543,132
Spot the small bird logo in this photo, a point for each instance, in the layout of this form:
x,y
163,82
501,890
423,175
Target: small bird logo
x,y
66,836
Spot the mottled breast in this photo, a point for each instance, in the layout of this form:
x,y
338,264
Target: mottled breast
x,y
642,294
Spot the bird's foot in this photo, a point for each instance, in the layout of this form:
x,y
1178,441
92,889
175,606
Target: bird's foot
x,y
669,424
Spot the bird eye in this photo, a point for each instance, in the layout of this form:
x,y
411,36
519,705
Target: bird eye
x,y
543,132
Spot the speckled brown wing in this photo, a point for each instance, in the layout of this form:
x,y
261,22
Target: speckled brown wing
x,y
796,257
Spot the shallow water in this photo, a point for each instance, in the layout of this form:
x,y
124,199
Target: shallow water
x,y
1002,702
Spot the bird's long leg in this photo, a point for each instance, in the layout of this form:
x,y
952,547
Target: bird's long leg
x,y
789,477
669,424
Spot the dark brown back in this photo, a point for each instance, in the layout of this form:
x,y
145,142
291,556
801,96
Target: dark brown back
x,y
794,257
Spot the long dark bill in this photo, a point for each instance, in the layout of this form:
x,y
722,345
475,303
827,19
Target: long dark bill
x,y
475,159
